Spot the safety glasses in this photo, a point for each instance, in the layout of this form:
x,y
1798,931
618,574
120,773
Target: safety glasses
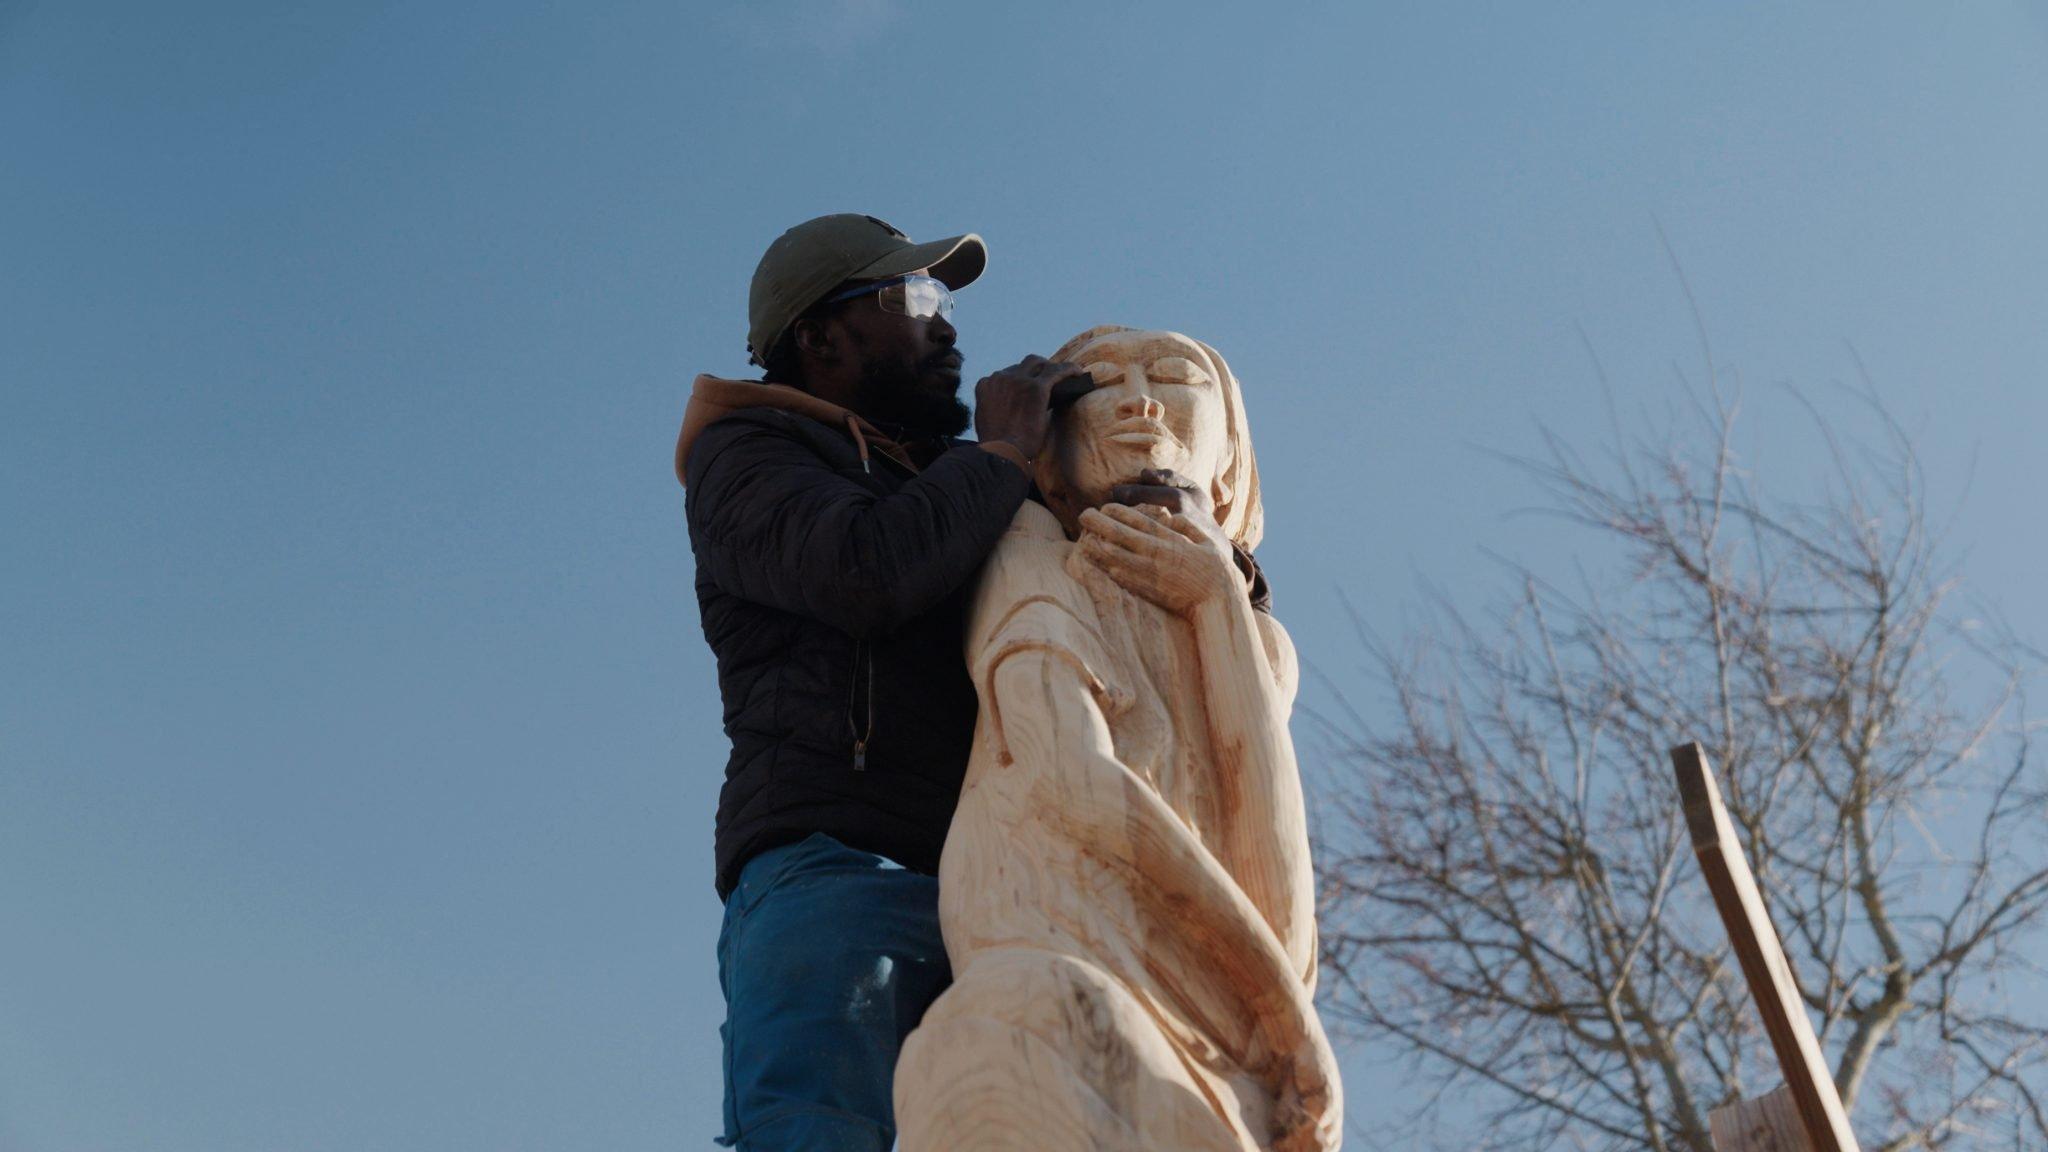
x,y
916,296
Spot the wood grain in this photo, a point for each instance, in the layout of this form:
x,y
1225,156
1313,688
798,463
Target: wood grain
x,y
1769,1123
1126,892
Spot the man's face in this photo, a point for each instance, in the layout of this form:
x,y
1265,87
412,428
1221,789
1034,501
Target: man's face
x,y
908,368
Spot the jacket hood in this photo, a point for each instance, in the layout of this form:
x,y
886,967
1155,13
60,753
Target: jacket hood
x,y
713,398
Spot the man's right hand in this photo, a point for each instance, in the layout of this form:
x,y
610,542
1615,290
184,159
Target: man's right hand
x,y
1017,403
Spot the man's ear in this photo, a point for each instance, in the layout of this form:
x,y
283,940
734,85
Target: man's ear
x,y
813,339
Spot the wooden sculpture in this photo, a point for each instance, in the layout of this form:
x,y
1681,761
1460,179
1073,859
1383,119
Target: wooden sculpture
x,y
1126,892
1806,1114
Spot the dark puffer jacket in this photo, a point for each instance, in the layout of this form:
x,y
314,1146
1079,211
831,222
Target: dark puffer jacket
x,y
833,581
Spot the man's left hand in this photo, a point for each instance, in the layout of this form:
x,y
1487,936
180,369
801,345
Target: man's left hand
x,y
1163,488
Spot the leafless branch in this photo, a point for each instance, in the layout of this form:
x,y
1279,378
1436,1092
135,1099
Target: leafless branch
x,y
1508,897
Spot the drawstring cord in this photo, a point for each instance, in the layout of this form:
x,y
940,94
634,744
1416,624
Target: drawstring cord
x,y
853,426
886,447
860,738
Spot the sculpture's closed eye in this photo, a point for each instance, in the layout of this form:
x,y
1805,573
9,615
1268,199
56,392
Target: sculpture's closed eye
x,y
1165,370
1176,370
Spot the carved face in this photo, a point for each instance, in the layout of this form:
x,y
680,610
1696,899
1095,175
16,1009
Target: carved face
x,y
1155,405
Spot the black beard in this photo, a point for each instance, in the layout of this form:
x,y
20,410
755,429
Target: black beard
x,y
909,413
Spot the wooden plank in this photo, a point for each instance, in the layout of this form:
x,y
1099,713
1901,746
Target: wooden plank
x,y
1762,956
1769,1123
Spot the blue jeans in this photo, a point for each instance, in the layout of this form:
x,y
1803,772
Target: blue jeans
x,y
828,958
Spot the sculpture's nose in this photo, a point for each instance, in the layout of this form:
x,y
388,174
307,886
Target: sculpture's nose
x,y
1138,402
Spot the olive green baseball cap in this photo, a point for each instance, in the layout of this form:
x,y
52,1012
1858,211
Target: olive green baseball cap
x,y
808,261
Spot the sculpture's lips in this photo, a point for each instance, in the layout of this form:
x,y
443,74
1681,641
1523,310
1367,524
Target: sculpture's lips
x,y
1141,432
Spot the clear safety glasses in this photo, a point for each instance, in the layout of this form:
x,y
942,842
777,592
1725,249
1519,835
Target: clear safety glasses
x,y
918,297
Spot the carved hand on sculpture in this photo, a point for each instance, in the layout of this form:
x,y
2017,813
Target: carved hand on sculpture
x,y
1161,488
1165,557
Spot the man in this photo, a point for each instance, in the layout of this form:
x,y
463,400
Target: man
x,y
836,521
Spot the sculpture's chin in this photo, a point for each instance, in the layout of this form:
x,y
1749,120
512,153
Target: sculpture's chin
x,y
1090,481
1137,453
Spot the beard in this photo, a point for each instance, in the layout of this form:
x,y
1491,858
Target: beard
x,y
917,404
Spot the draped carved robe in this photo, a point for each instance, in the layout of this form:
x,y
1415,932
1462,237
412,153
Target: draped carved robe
x,y
1117,983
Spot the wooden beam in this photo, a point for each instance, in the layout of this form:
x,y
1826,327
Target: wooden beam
x,y
1763,961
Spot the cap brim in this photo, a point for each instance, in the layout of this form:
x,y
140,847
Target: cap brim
x,y
954,262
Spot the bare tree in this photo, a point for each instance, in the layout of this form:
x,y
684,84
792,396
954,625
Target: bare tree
x,y
1509,897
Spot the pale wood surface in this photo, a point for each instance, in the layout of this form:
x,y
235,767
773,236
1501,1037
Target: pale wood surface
x,y
1126,891
1756,944
1769,1123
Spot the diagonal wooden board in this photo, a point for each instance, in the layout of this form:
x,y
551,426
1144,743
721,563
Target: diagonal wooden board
x,y
1762,956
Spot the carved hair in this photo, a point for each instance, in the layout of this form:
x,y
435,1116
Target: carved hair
x,y
1239,512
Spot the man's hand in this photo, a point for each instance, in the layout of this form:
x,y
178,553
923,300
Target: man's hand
x,y
1161,488
1017,403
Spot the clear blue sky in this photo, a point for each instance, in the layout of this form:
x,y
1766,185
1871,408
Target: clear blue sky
x,y
358,742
